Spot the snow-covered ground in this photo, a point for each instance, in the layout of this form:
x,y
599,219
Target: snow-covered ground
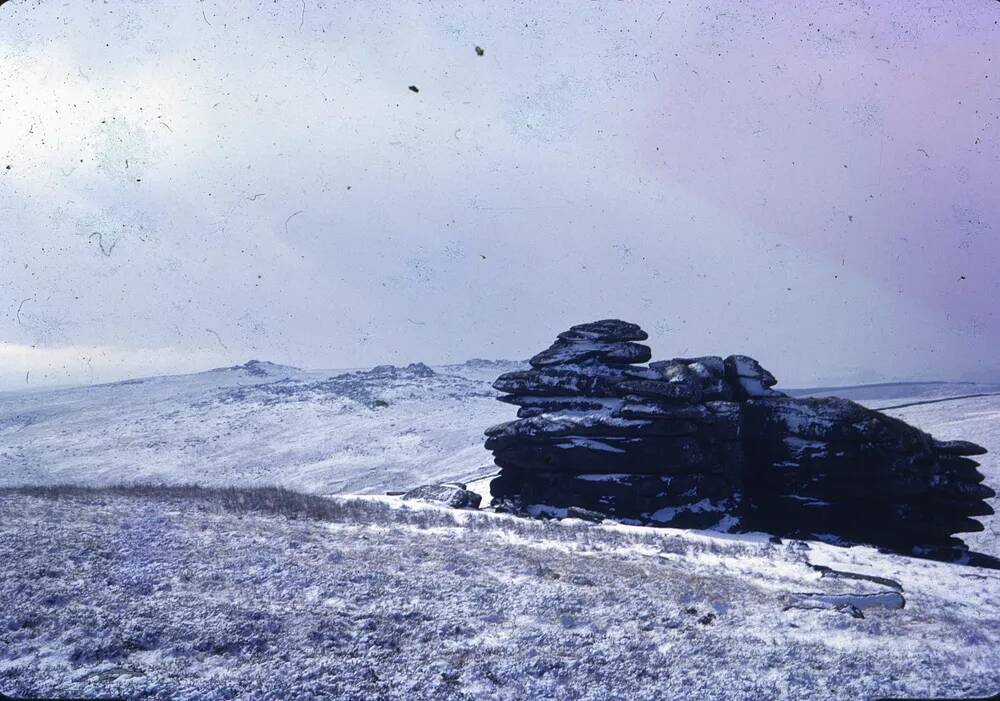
x,y
182,592
891,394
218,595
333,432
258,424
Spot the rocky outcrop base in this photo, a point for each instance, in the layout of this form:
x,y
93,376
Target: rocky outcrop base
x,y
707,442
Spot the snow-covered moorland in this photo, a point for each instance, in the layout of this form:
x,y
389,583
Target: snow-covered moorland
x,y
187,592
365,431
175,593
258,424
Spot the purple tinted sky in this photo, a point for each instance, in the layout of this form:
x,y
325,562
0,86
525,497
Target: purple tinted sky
x,y
194,184
867,137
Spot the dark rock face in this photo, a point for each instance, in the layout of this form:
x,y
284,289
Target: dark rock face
x,y
608,341
707,442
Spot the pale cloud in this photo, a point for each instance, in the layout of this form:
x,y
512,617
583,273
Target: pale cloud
x,y
265,173
31,367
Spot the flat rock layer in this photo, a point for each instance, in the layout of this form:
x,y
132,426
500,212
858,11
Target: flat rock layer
x,y
707,442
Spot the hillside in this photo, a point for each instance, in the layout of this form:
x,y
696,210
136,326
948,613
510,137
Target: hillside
x,y
180,594
259,423
365,431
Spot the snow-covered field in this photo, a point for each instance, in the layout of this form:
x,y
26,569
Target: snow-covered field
x,y
218,595
258,424
888,394
183,592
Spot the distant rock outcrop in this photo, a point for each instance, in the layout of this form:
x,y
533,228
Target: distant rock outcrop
x,y
708,442
453,494
262,368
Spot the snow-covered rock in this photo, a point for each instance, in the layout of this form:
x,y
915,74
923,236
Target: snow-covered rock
x,y
454,495
819,468
562,352
749,378
605,331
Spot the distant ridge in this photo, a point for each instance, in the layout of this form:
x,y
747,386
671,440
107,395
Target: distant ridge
x,y
832,388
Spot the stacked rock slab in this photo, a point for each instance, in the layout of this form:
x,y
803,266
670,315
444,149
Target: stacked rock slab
x,y
707,442
657,443
830,467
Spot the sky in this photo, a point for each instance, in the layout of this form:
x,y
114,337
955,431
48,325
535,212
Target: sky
x,y
187,185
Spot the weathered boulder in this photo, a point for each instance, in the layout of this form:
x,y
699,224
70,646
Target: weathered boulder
x,y
662,389
584,514
608,330
562,352
959,448
587,380
589,424
707,372
749,378
453,494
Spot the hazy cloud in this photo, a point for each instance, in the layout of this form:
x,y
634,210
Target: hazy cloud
x,y
813,186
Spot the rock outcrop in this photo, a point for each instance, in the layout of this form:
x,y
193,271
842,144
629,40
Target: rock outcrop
x,y
453,494
708,442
